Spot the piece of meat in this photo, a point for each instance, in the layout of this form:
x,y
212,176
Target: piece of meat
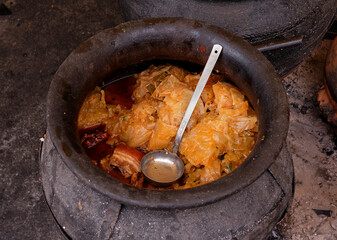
x,y
90,140
137,179
126,158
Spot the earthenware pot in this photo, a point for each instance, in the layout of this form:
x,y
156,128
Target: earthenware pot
x,y
124,49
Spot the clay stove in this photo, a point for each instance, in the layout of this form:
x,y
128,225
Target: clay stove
x,y
245,204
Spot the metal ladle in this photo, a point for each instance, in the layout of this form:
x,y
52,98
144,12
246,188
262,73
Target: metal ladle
x,y
161,166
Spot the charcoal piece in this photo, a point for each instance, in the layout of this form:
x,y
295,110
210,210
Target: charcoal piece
x,y
326,213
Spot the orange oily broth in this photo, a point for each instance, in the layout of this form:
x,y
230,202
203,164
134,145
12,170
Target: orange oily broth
x,y
120,92
231,123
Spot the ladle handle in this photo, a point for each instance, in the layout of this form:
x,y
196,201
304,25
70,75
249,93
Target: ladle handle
x,y
213,57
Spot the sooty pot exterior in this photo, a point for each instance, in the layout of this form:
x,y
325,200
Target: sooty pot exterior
x,y
117,51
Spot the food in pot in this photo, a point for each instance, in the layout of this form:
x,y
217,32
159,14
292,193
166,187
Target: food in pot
x,y
127,119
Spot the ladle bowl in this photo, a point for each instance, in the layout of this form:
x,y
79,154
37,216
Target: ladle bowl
x,y
162,167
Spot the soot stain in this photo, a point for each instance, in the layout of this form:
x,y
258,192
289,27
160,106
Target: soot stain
x,y
66,149
58,132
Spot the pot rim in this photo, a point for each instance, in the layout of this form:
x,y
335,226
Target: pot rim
x,y
146,40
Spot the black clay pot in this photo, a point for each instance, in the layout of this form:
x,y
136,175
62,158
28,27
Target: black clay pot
x,y
117,52
258,21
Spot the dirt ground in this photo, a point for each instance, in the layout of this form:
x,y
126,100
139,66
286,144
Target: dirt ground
x,y
313,214
37,37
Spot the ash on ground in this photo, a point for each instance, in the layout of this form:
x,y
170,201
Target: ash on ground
x,y
313,213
